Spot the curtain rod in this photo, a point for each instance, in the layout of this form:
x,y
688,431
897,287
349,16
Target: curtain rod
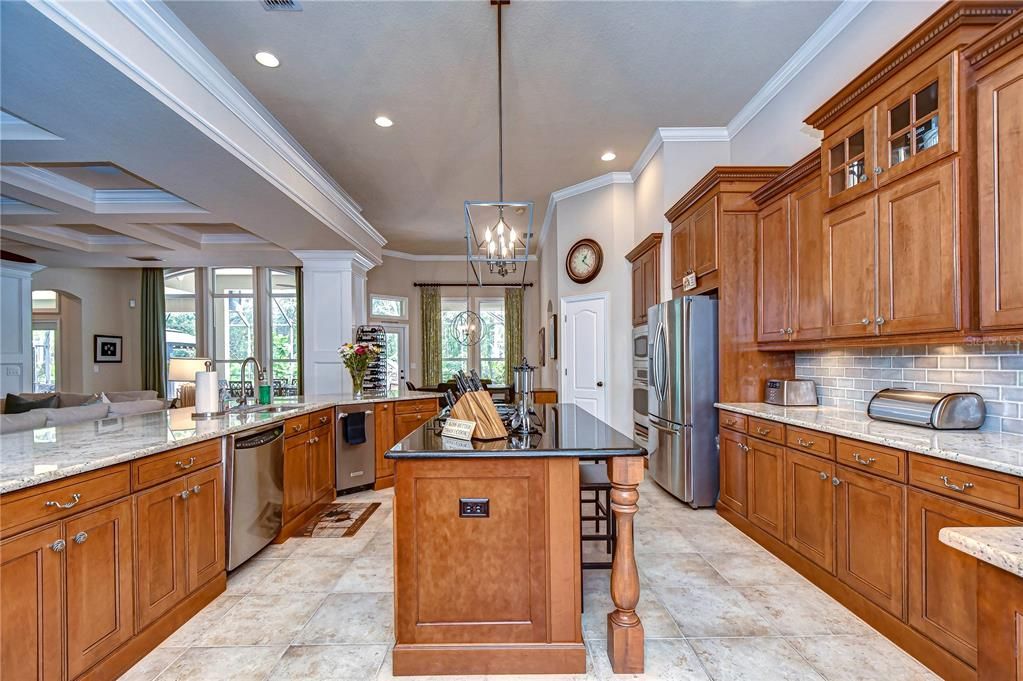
x,y
461,284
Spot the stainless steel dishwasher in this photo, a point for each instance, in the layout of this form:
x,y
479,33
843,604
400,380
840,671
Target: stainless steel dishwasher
x,y
255,491
356,463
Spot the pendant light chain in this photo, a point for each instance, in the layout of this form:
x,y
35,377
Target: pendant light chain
x,y
500,112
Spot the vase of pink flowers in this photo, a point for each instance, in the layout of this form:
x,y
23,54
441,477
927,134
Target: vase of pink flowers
x,y
357,358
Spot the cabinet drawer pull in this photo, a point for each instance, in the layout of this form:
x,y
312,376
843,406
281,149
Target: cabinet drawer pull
x,y
805,443
824,476
58,546
763,431
323,419
743,447
75,498
951,485
185,466
297,427
81,537
863,462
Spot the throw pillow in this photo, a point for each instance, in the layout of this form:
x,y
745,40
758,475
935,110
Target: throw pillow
x,y
135,407
130,395
68,415
16,404
30,420
75,399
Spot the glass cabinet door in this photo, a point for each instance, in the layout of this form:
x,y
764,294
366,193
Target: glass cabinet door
x,y
916,124
849,160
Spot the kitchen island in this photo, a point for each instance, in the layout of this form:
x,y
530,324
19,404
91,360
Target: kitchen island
x,y
487,549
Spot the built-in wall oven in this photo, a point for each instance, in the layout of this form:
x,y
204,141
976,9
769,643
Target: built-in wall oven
x,y
640,382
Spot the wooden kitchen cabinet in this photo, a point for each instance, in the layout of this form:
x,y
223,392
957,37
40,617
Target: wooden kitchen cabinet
x,y
871,532
383,420
298,482
646,276
732,465
999,624
704,245
849,292
766,486
161,561
205,526
849,157
321,460
681,250
810,507
790,262
31,588
998,61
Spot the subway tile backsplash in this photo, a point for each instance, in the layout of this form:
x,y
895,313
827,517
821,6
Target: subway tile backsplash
x,y
848,377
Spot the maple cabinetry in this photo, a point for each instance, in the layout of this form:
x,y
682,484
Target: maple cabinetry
x,y
733,464
999,624
789,257
646,277
998,62
766,474
810,507
308,468
392,422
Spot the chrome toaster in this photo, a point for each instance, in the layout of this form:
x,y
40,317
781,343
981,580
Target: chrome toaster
x,y
941,411
788,392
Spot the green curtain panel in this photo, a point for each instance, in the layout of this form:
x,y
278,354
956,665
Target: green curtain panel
x,y
430,318
154,364
512,330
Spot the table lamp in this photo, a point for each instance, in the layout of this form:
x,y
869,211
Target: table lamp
x,y
183,370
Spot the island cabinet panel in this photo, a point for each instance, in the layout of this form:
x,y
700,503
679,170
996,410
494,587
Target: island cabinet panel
x,y
918,253
383,423
999,158
472,579
871,534
298,483
1000,624
773,273
31,588
943,580
733,464
205,516
766,496
161,558
849,290
810,507
100,584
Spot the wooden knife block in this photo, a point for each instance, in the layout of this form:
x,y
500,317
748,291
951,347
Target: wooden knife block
x,y
478,406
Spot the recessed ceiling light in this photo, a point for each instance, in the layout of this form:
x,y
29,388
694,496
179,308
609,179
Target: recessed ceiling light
x,y
268,59
608,156
384,121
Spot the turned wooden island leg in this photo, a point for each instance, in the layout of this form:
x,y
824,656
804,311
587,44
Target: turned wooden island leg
x,y
624,630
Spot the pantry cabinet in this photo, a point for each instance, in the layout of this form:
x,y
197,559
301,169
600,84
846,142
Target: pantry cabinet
x,y
998,62
645,259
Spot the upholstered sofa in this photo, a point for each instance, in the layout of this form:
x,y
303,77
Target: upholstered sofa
x,y
64,408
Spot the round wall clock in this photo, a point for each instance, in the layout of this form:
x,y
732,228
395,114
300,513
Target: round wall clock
x,y
584,261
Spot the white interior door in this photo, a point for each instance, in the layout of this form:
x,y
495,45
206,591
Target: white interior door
x,y
584,352
396,354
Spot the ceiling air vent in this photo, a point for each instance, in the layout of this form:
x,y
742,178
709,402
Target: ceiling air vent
x,y
145,258
282,6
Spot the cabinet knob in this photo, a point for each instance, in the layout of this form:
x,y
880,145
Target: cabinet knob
x,y
879,321
195,490
58,546
836,482
789,330
824,476
878,170
297,427
81,537
75,498
866,321
781,330
185,494
185,466
863,462
323,419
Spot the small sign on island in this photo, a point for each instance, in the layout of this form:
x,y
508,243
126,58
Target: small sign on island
x,y
461,430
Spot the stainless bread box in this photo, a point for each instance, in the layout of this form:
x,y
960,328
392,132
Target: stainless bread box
x,y
788,392
942,411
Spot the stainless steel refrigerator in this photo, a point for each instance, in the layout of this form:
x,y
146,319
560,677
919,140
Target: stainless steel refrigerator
x,y
683,387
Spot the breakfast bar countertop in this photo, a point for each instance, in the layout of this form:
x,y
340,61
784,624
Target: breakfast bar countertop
x,y
1002,452
999,546
563,430
33,457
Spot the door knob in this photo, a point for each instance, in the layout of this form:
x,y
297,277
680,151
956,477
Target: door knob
x,y
600,384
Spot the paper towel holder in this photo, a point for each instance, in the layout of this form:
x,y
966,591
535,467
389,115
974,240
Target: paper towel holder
x,y
186,370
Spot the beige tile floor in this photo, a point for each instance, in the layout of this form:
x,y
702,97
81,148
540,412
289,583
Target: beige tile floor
x,y
715,607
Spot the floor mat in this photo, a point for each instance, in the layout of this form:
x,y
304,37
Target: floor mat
x,y
340,519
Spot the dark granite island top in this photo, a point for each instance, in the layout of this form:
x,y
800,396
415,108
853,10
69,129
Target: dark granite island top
x,y
563,430
487,559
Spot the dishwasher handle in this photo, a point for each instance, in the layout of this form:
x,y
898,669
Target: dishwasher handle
x,y
259,439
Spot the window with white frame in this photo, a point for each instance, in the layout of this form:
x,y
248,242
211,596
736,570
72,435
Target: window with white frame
x,y
488,356
283,330
234,320
388,307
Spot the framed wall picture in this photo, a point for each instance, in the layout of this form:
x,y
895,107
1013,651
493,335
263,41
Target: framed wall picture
x,y
107,349
552,337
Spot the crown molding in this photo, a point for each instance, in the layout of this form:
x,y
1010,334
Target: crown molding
x,y
13,129
343,261
836,22
168,34
22,270
416,257
617,177
662,135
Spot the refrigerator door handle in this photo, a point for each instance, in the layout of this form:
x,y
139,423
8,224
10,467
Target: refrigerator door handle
x,y
687,359
662,362
674,430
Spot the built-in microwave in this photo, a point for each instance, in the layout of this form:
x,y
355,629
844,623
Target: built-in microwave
x,y
639,343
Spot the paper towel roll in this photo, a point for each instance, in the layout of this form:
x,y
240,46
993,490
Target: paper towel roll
x,y
207,392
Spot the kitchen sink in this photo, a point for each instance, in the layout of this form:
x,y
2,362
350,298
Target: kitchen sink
x,y
277,408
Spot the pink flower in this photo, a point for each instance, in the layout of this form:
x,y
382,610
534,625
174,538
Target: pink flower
x,y
361,350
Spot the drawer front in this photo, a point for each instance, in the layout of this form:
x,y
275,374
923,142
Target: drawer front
x,y
870,458
28,508
296,425
728,419
415,406
767,430
975,485
158,468
810,441
321,418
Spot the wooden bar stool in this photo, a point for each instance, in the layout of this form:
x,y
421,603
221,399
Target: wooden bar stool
x,y
593,481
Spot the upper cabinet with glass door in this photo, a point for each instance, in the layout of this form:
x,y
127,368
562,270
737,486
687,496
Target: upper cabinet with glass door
x,y
917,122
848,157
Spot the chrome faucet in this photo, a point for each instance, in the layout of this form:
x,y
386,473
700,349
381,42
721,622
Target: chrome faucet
x,y
243,401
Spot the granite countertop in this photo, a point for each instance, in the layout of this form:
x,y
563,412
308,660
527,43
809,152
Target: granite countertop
x,y
1000,546
36,456
563,430
1002,452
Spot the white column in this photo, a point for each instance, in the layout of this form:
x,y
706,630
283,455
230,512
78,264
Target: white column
x,y
16,326
333,305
